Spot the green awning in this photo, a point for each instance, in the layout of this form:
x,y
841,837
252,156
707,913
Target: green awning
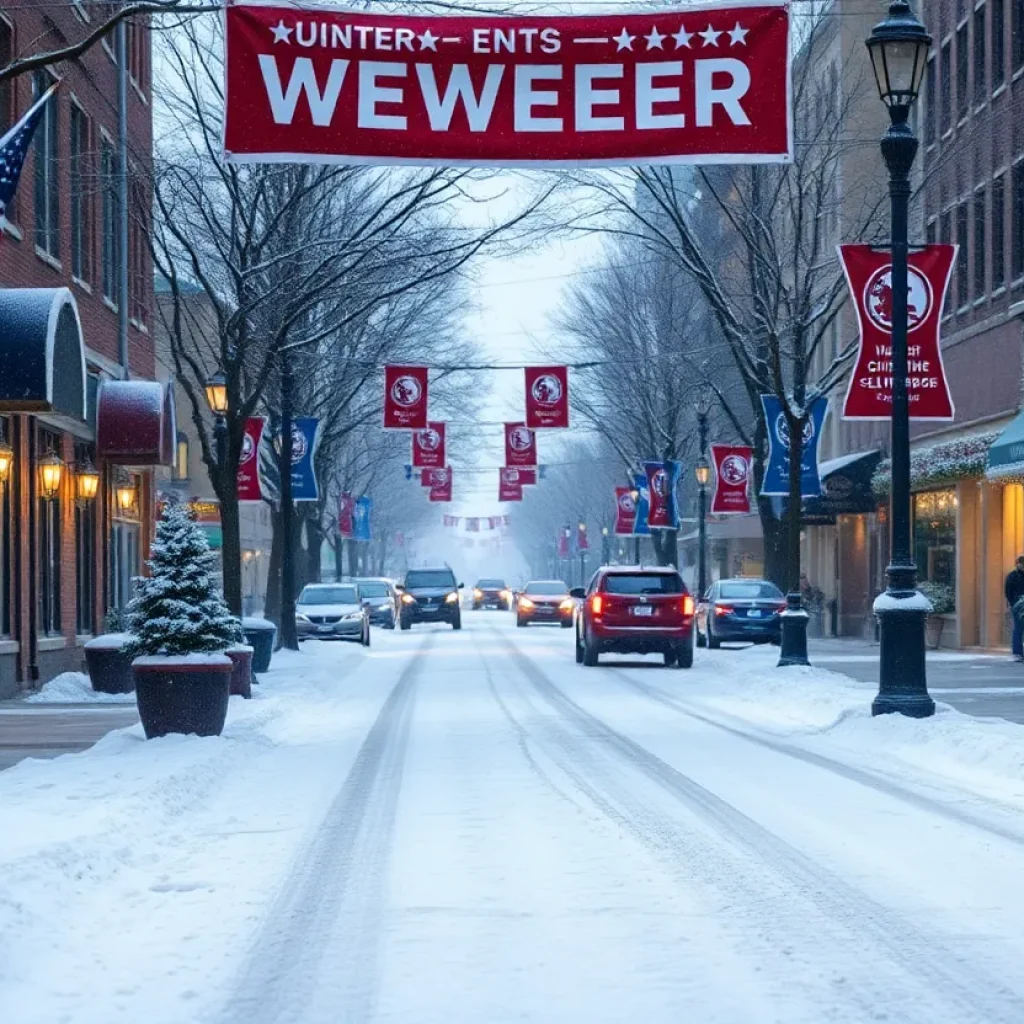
x,y
1006,455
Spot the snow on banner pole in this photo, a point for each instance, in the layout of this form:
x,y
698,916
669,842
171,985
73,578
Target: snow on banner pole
x,y
405,396
704,84
662,481
428,447
520,445
869,276
732,479
776,472
249,488
625,512
547,397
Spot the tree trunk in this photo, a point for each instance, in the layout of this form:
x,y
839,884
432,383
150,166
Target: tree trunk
x,y
775,544
339,570
272,604
231,540
794,503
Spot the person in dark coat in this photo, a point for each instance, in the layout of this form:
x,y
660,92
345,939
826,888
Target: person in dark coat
x,y
1014,590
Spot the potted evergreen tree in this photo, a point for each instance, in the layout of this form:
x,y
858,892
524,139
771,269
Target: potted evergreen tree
x,y
181,629
943,603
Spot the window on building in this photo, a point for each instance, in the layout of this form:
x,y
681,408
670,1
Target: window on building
x,y
124,562
945,99
138,39
138,249
963,102
81,205
47,168
962,266
85,552
1017,221
48,547
946,233
1017,34
980,225
998,232
997,21
108,187
8,113
181,457
935,537
930,101
980,64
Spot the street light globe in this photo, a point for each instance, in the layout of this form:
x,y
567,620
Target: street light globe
x,y
702,471
126,495
6,461
87,481
899,48
216,388
50,470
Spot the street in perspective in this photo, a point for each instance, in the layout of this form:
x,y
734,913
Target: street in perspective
x,y
512,513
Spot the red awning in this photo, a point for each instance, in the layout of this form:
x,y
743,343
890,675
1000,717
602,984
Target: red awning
x,y
135,423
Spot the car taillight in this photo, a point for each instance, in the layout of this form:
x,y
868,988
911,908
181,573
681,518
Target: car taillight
x,y
782,607
596,604
687,605
723,609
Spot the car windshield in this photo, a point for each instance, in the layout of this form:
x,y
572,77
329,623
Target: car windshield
x,y
644,583
491,585
372,588
751,590
329,595
430,578
552,589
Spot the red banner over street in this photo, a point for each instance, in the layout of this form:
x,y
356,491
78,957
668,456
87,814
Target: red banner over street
x,y
441,487
704,84
509,486
659,512
435,477
520,445
625,512
405,398
732,479
248,461
428,447
547,397
869,275
346,516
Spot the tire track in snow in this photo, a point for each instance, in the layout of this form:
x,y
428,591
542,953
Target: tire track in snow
x,y
931,980
315,957
722,721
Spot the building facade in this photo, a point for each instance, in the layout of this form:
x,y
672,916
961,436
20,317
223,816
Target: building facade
x,y
76,376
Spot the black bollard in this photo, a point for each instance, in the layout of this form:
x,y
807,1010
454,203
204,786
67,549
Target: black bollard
x,y
794,633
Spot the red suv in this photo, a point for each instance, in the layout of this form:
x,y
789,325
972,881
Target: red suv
x,y
635,610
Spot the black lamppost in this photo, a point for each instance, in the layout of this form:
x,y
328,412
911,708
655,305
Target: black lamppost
x,y
899,49
605,546
635,495
703,474
582,546
216,389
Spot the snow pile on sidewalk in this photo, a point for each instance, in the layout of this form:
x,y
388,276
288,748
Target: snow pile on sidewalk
x,y
75,688
830,713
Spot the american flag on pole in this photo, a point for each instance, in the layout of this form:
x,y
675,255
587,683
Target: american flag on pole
x,y
14,147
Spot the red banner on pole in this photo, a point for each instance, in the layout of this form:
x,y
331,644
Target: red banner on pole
x,y
435,477
563,543
516,475
547,397
625,512
732,479
582,543
509,486
869,275
659,512
405,398
428,447
703,85
520,445
441,488
248,461
346,516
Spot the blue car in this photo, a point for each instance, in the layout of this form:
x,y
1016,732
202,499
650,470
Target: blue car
x,y
741,610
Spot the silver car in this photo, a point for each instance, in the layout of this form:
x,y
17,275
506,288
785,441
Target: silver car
x,y
332,611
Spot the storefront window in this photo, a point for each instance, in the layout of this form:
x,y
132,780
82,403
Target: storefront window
x,y
124,562
935,537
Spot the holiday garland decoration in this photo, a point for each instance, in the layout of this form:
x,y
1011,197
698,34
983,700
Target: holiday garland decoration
x,y
178,610
938,464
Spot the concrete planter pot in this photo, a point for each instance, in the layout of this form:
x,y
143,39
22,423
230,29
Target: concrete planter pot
x,y
183,694
935,624
110,671
241,670
260,635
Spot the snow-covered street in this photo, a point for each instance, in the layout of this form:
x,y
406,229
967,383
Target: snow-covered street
x,y
469,827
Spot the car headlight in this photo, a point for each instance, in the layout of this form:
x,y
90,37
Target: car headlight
x,y
299,617
352,616
452,597
567,605
477,592
506,594
408,599
525,602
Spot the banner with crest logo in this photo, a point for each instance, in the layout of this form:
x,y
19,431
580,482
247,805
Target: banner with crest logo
x,y
249,488
662,480
776,470
405,398
520,445
547,397
625,512
428,447
733,464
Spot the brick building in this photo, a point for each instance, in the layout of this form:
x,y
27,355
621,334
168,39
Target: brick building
x,y
65,557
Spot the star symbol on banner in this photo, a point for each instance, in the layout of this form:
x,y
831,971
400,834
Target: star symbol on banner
x,y
428,41
654,39
710,36
682,37
738,35
624,41
282,33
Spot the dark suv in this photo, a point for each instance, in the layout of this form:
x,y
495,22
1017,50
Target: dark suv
x,y
635,610
430,595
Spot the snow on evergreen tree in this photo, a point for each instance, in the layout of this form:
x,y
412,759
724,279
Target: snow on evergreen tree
x,y
178,610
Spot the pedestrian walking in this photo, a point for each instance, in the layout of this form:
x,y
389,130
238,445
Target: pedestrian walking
x,y
1014,590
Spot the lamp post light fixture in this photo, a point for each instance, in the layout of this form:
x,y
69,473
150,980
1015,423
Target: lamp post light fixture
x,y
899,50
703,474
51,469
87,481
6,461
126,494
216,388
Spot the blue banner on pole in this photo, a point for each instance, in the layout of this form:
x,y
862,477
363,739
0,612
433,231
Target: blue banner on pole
x,y
776,472
304,440
643,506
361,519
